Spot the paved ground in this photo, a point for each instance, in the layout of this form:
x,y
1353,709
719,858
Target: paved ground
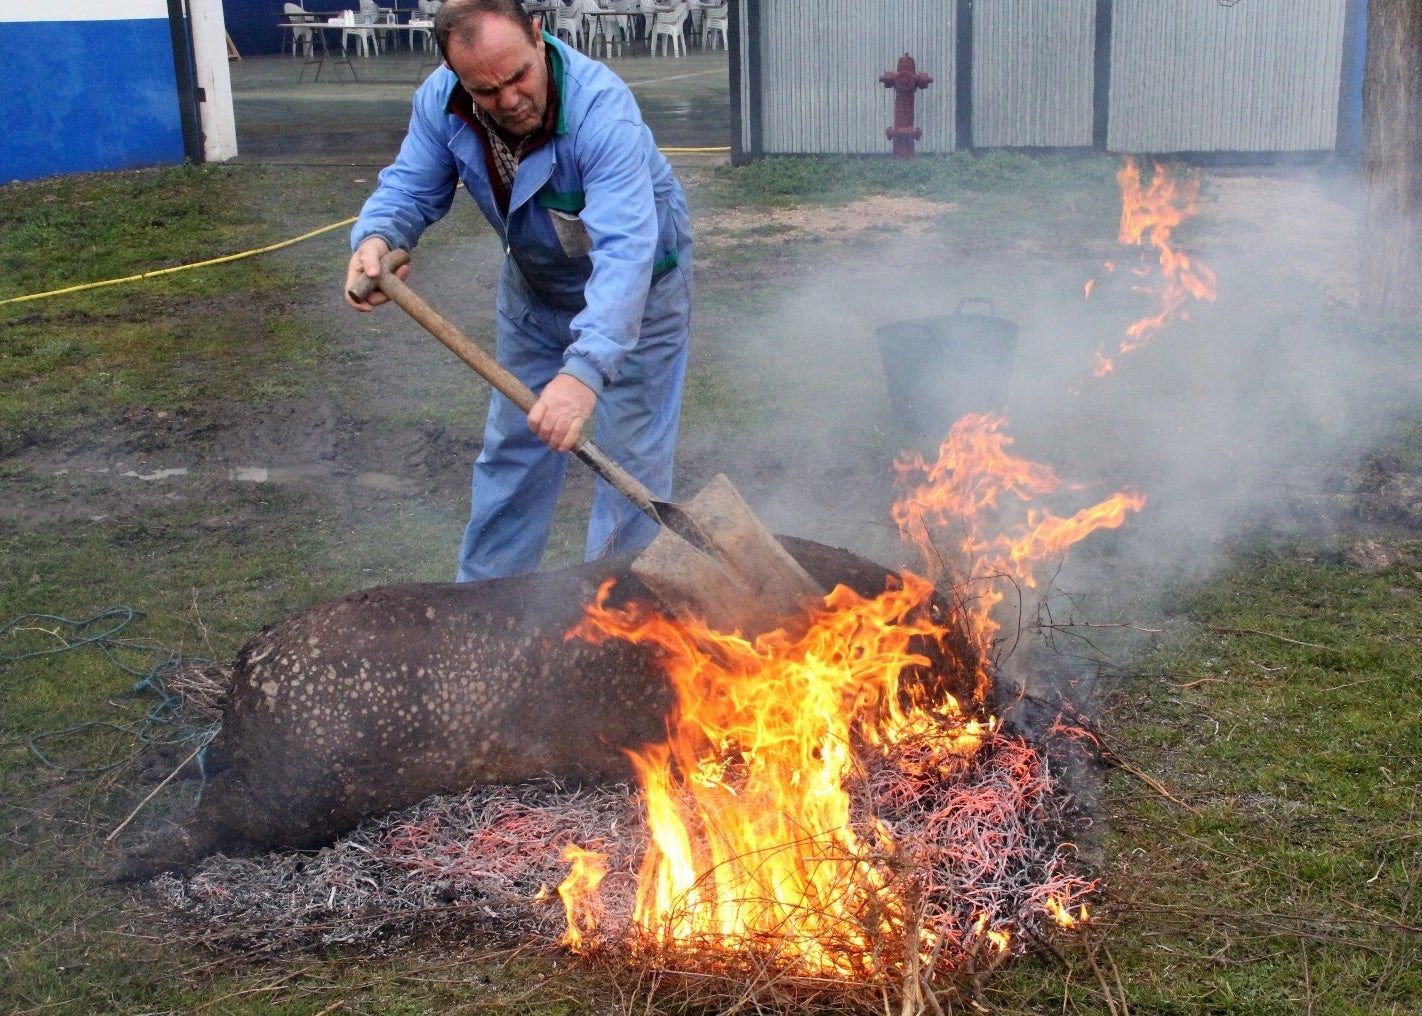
x,y
286,115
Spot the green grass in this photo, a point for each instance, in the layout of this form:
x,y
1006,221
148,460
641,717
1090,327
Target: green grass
x,y
1268,866
166,343
836,179
104,225
1281,717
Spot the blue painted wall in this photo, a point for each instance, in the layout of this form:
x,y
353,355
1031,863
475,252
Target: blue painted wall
x,y
88,95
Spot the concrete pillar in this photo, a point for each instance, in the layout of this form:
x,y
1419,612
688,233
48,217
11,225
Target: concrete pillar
x,y
219,125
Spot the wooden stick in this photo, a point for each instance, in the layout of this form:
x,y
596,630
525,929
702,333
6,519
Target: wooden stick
x,y
1150,781
120,827
1269,635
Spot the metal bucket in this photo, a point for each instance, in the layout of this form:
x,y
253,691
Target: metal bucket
x,y
939,368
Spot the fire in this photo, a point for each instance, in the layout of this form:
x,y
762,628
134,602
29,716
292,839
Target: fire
x,y
759,841
1148,216
1063,916
974,476
999,940
1091,283
579,893
838,800
828,798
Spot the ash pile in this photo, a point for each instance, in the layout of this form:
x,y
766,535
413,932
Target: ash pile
x,y
978,849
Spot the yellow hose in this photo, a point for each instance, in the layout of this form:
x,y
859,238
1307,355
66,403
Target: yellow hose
x,y
245,254
180,268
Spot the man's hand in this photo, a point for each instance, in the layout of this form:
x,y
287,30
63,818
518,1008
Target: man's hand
x,y
366,261
562,408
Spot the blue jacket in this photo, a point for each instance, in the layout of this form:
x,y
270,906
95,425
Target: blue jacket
x,y
595,215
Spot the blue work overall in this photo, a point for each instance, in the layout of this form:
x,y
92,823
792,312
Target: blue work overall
x,y
596,284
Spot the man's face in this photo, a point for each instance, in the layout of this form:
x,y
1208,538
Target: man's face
x,y
503,72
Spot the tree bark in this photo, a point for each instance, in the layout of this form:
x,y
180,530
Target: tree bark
x,y
1391,237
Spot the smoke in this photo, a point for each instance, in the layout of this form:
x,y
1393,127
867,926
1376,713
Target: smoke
x,y
1247,414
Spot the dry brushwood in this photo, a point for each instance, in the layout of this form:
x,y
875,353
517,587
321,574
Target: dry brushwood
x,y
964,879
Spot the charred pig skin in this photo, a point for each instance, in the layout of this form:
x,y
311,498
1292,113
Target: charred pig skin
x,y
375,700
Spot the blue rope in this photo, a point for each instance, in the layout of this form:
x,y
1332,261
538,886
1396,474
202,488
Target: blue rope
x,y
163,723
78,639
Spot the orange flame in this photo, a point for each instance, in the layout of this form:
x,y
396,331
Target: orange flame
x,y
1064,917
580,898
999,940
757,840
975,472
1148,216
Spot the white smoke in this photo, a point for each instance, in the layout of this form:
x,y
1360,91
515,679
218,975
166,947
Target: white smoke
x,y
1245,414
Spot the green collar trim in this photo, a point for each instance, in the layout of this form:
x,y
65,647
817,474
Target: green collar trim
x,y
555,59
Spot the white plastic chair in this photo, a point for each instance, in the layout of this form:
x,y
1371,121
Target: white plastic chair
x,y
364,37
611,26
568,20
300,37
671,25
717,18
424,34
372,14
427,10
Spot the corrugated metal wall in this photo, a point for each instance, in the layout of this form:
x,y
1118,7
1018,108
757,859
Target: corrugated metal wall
x,y
1197,76
1185,75
1033,63
821,61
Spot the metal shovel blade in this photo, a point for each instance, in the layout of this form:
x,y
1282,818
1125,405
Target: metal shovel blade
x,y
744,581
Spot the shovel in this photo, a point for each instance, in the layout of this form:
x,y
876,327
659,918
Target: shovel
x,y
712,560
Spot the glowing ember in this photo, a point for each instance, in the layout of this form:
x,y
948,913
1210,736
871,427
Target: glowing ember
x,y
1148,216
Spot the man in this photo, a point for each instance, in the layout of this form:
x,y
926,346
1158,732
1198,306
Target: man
x,y
594,301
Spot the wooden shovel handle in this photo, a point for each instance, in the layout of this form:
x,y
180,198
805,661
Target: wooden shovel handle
x,y
458,343
494,372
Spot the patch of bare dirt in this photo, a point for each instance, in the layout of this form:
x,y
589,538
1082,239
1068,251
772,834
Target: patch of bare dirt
x,y
841,224
1318,227
146,458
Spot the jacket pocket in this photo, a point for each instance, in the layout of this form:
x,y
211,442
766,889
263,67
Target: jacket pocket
x,y
572,234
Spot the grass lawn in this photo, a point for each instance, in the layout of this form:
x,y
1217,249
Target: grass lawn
x,y
216,449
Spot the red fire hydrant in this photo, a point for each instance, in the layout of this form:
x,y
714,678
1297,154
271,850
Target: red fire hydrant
x,y
905,82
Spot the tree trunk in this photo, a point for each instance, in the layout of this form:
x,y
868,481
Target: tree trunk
x,y
1391,238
